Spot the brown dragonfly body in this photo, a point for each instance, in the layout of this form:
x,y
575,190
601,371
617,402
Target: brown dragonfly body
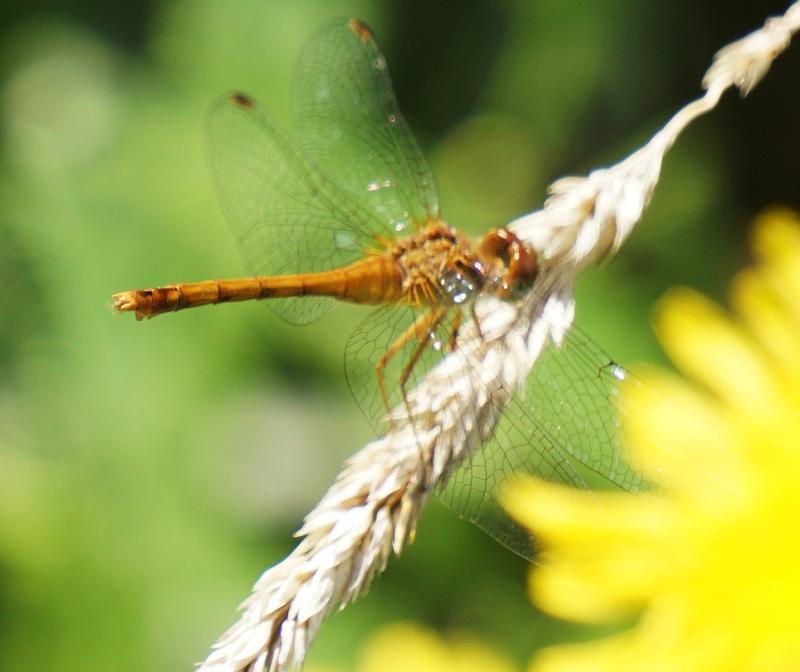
x,y
288,212
436,268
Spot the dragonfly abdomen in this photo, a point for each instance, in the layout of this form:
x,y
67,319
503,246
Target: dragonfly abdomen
x,y
374,280
148,303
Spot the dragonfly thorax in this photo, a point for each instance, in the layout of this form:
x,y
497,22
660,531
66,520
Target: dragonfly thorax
x,y
439,266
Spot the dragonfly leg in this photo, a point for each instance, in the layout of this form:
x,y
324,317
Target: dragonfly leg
x,y
421,325
435,319
424,334
474,314
453,342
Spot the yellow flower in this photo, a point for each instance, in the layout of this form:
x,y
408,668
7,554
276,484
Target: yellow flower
x,y
406,647
708,565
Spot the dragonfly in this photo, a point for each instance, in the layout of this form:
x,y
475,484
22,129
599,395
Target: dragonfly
x,y
347,209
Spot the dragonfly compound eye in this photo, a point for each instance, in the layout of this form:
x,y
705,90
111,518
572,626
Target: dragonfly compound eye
x,y
512,262
527,267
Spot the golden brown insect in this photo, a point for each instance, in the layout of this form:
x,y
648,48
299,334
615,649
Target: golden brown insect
x,y
347,210
435,270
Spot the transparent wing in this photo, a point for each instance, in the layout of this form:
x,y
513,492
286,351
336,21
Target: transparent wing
x,y
573,395
420,337
286,214
517,447
562,427
348,120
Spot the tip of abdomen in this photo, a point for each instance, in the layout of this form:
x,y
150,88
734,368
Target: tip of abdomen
x,y
123,302
139,302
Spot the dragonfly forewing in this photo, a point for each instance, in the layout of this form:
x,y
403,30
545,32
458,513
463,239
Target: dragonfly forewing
x,y
286,214
348,120
350,182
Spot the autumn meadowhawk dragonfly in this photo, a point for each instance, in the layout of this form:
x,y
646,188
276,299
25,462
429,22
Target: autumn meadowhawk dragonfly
x,y
347,209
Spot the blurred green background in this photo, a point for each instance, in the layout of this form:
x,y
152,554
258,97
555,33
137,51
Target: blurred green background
x,y
149,472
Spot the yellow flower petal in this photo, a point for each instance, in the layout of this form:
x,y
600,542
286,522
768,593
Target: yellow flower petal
x,y
776,239
470,655
529,501
777,248
560,511
402,647
677,436
609,655
706,345
584,570
583,593
755,299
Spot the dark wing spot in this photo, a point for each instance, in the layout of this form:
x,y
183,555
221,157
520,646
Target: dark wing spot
x,y
360,29
242,100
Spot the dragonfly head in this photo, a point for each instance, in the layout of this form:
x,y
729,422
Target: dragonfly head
x,y
510,264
